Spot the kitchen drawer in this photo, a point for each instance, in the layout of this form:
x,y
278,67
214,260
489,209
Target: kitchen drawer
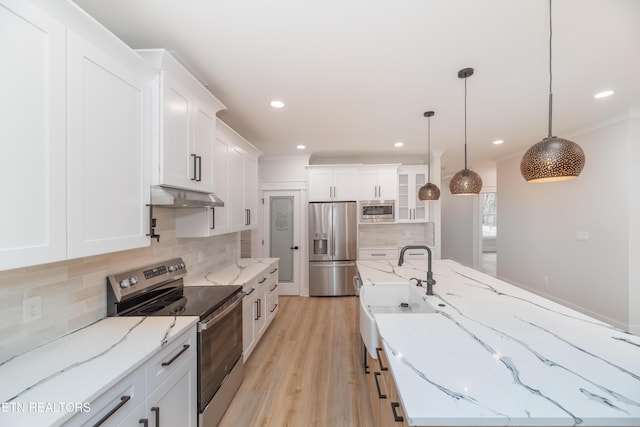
x,y
170,358
116,404
384,253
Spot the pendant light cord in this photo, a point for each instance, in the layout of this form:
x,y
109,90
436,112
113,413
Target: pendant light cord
x,y
429,151
465,123
550,73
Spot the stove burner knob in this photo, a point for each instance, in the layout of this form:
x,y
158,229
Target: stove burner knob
x,y
133,280
125,283
172,268
181,265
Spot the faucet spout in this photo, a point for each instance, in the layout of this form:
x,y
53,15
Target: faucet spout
x,y
430,280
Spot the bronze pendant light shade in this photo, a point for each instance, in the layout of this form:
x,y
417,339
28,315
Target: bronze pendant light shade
x,y
553,158
429,191
465,182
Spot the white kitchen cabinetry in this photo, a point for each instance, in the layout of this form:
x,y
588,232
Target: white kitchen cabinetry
x,y
33,134
243,190
78,139
162,391
332,183
273,293
410,208
186,124
378,253
377,183
108,151
259,306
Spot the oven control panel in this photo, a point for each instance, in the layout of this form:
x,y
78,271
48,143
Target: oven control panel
x,y
135,281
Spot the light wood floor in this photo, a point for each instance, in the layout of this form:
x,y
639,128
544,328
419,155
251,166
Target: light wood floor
x,y
305,371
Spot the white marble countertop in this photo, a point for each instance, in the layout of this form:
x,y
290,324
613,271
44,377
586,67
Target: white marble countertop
x,y
494,354
79,367
244,270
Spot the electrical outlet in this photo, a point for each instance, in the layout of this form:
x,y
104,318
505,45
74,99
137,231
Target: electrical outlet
x,y
32,308
582,236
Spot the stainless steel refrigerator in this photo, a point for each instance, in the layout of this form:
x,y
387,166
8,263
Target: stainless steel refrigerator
x,y
333,248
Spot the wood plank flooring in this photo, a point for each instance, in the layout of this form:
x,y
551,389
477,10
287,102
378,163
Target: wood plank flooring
x,y
306,370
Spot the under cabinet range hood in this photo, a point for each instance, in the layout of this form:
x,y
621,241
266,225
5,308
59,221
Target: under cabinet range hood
x,y
170,197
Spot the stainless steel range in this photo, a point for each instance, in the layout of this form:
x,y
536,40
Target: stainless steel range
x,y
158,290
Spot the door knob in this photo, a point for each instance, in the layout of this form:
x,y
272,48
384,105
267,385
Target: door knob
x,y
294,247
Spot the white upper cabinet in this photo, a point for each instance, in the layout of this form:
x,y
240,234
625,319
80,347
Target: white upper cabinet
x,y
410,208
108,150
186,124
236,184
377,182
33,134
75,153
332,183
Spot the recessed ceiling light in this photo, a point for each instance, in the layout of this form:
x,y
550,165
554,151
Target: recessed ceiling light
x,y
603,94
301,147
398,144
277,104
498,142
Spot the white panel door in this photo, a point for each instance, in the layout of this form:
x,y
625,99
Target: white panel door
x,y
108,154
33,136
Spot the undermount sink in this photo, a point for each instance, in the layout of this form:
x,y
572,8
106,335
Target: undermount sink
x,y
391,298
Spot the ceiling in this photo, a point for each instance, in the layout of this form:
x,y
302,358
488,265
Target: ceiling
x,y
357,75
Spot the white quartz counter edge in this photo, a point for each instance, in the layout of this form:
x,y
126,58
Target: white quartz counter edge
x,y
77,368
495,354
243,271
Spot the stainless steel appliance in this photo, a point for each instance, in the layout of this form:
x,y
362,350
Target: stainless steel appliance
x,y
158,290
378,211
333,248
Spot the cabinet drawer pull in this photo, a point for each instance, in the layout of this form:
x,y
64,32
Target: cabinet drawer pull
x,y
274,270
144,422
184,348
274,308
123,400
375,377
378,254
274,288
250,292
157,411
397,418
382,368
263,280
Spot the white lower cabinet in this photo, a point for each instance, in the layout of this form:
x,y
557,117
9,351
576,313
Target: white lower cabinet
x,y
161,392
259,307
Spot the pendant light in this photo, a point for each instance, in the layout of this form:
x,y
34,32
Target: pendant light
x,y
553,158
429,191
465,182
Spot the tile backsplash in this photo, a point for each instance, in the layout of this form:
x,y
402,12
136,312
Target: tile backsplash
x,y
73,293
395,235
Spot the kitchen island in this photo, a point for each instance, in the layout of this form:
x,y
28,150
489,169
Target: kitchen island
x,y
493,354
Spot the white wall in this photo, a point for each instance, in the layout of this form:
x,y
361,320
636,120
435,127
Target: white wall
x,y
461,231
537,225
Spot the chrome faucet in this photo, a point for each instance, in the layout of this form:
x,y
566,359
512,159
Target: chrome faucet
x,y
430,281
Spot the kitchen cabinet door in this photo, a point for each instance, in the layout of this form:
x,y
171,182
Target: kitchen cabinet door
x,y
236,189
33,134
251,191
410,208
174,402
377,183
249,317
186,123
332,183
262,303
108,151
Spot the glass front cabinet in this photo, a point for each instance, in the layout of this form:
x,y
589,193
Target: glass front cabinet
x,y
410,208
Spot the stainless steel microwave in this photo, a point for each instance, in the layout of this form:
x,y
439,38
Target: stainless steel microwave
x,y
378,211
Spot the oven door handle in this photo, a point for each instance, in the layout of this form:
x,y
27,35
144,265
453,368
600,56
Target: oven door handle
x,y
218,317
